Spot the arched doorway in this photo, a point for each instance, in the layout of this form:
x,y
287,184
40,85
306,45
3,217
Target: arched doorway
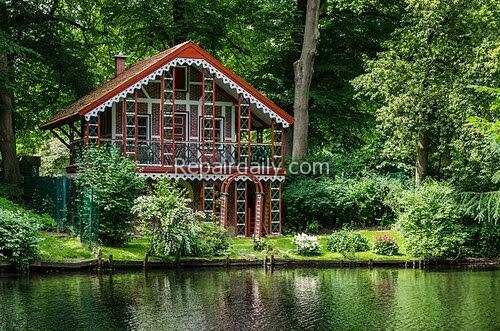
x,y
248,200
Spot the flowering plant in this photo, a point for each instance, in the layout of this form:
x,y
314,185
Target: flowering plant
x,y
306,244
385,245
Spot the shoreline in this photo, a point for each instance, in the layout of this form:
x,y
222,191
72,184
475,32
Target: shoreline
x,y
124,265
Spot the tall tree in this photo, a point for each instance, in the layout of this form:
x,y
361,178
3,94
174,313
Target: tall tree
x,y
41,48
420,84
303,70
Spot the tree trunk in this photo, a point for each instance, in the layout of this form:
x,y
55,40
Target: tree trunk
x,y
303,70
10,162
181,26
422,156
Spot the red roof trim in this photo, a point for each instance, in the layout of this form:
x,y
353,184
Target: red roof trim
x,y
187,49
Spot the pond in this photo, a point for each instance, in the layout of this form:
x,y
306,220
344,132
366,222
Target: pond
x,y
242,299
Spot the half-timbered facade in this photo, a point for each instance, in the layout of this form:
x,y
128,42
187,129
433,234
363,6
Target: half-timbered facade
x,y
181,114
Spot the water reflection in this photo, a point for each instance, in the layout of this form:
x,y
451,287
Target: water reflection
x,y
252,299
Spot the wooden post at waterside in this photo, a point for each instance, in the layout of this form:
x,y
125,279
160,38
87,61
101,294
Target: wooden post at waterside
x,y
110,261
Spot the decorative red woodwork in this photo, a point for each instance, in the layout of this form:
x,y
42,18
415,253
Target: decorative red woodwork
x,y
124,126
214,115
162,119
202,123
173,115
99,128
136,126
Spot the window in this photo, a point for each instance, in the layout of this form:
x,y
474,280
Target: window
x,y
143,127
208,134
181,78
106,124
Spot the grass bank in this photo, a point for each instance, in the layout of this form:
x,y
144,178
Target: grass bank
x,y
63,248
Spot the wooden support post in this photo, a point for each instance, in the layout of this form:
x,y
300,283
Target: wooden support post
x,y
214,110
87,131
110,261
124,126
146,260
136,125
238,135
173,117
249,136
59,138
272,143
202,124
162,120
99,121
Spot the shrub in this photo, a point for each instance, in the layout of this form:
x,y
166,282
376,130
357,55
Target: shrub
x,y
116,184
329,203
347,242
173,228
18,238
211,240
260,245
385,245
483,239
44,221
429,220
167,221
307,245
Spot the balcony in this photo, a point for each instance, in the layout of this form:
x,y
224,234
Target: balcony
x,y
148,153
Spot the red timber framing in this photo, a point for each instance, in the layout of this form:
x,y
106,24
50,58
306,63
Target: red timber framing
x,y
162,120
174,162
136,126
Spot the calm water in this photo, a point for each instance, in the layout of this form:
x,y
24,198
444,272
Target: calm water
x,y
287,299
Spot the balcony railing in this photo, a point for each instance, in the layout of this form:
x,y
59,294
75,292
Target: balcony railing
x,y
149,153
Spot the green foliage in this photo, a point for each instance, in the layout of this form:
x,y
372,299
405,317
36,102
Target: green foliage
x,y
262,244
18,238
306,245
167,221
421,81
385,245
116,183
11,192
337,202
211,240
429,220
44,221
488,243
347,242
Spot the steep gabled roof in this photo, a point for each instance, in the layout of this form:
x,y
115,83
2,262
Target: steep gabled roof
x,y
141,70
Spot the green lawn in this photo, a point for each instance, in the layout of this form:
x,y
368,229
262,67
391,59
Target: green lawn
x,y
59,248
66,248
284,248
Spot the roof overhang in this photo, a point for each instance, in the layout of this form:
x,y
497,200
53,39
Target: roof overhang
x,y
187,53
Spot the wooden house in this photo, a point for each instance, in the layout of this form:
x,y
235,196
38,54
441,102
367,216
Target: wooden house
x,y
181,114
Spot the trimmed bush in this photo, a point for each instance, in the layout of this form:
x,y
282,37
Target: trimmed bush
x,y
386,245
211,240
306,245
18,238
347,242
429,220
